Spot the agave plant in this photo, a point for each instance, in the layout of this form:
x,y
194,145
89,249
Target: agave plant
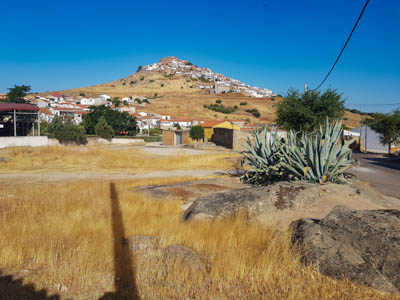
x,y
319,157
264,157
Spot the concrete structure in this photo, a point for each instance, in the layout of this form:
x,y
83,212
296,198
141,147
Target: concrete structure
x,y
176,137
369,140
23,141
235,139
210,125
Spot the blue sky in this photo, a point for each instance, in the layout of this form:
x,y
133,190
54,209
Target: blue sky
x,y
54,45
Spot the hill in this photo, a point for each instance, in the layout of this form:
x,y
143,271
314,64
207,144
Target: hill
x,y
181,89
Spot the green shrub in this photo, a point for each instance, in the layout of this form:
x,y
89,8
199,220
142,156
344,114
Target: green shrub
x,y
155,131
243,103
218,101
221,108
254,112
70,133
104,130
196,133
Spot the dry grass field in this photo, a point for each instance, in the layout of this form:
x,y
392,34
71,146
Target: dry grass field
x,y
62,237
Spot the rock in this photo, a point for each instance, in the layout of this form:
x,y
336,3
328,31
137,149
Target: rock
x,y
254,200
363,246
4,159
141,243
185,258
158,263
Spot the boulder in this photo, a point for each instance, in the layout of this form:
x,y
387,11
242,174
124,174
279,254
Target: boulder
x,y
363,246
184,257
159,263
254,200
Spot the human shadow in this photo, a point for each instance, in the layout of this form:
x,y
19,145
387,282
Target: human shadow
x,y
11,289
124,274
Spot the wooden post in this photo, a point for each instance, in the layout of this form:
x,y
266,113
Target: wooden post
x,y
15,123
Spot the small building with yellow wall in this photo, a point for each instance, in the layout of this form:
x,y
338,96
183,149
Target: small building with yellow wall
x,y
210,125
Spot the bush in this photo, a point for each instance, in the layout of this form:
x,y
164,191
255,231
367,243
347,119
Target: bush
x,y
70,133
254,112
155,131
221,108
162,84
243,103
218,101
82,94
104,130
196,133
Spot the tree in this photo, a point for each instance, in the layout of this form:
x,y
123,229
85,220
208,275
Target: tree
x,y
55,125
70,133
18,93
139,68
306,112
196,133
116,102
119,121
388,127
104,130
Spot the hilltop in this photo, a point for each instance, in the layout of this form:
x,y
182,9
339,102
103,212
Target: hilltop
x,y
182,89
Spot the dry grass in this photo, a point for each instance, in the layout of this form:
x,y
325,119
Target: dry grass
x,y
62,235
95,158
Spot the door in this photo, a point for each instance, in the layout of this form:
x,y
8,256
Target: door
x,y
178,135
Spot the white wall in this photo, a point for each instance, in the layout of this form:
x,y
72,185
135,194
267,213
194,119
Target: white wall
x,y
23,141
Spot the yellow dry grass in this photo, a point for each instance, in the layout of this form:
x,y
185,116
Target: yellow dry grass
x,y
62,236
96,158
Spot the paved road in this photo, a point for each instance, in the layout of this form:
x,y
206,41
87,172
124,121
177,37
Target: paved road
x,y
382,173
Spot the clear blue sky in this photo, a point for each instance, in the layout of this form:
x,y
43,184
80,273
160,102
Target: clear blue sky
x,y
54,45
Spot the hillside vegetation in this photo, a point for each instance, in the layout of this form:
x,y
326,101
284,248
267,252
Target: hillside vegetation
x,y
182,97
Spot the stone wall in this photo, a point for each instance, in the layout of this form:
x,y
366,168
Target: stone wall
x,y
23,141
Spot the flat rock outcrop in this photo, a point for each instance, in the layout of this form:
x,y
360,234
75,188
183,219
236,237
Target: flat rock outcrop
x,y
253,200
363,246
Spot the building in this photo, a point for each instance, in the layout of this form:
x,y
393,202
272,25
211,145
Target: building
x,y
369,140
18,119
210,125
175,137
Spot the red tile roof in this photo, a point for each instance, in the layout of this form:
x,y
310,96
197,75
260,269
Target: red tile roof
x,y
46,111
18,106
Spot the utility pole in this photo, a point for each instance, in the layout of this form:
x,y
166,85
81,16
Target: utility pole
x,y
15,123
366,131
305,88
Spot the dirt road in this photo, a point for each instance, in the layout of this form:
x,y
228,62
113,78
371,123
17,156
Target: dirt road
x,y
381,172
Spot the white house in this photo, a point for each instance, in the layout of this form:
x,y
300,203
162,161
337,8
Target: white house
x,y
105,97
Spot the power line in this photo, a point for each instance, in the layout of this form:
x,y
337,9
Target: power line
x,y
347,41
373,104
